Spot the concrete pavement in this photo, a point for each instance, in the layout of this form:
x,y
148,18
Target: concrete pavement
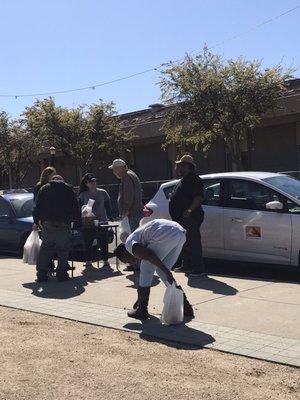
x,y
250,317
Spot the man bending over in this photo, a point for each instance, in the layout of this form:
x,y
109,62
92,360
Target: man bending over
x,y
158,245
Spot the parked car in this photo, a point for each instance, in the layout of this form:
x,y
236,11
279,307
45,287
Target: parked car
x,y
249,216
16,223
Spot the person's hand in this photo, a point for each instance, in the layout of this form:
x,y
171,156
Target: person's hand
x,y
186,214
35,227
170,278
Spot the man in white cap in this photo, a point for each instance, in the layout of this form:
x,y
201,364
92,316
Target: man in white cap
x,y
186,209
130,196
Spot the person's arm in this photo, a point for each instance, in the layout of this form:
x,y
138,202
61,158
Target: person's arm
x,y
74,206
37,212
143,253
197,199
127,195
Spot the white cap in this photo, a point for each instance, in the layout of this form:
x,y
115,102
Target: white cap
x,y
117,163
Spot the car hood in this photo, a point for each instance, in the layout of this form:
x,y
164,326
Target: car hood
x,y
28,220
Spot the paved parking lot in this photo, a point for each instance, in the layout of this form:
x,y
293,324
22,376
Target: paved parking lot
x,y
252,317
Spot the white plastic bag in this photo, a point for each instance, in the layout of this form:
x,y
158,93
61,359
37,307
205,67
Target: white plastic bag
x,y
172,313
32,248
124,229
87,210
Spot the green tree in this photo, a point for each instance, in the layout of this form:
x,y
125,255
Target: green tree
x,y
214,99
88,135
18,149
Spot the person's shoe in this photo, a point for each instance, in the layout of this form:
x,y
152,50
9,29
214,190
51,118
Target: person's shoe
x,y
182,269
41,279
62,278
141,312
70,268
198,274
106,264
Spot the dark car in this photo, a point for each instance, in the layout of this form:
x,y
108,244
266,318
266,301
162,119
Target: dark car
x,y
16,223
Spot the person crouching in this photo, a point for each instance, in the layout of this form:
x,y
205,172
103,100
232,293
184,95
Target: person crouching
x,y
158,245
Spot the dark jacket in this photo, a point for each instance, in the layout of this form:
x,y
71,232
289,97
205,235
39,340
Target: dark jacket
x,y
183,195
56,201
36,191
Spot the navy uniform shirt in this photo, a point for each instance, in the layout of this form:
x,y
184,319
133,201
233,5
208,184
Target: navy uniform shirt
x,y
183,195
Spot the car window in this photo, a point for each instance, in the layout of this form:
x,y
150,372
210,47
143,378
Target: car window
x,y
23,206
292,207
168,191
249,195
212,192
4,209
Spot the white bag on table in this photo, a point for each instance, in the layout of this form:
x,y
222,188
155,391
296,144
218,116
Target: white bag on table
x,y
32,248
172,313
87,210
124,229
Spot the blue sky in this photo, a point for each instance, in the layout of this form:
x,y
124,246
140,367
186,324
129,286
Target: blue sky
x,y
64,44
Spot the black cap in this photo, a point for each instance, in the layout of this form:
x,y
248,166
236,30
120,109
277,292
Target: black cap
x,y
89,177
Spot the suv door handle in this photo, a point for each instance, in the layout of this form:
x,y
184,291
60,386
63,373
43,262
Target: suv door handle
x,y
239,220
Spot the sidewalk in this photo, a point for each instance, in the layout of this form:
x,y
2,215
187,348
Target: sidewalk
x,y
249,317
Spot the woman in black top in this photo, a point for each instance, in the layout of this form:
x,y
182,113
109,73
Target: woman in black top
x,y
46,176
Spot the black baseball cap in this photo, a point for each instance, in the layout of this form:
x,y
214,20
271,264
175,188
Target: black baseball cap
x,y
89,177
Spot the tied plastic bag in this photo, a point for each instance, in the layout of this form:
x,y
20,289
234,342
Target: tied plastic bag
x,y
32,248
124,229
87,210
172,313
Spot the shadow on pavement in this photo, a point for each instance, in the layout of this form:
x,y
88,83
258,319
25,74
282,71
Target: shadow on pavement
x,y
179,336
213,285
72,288
134,278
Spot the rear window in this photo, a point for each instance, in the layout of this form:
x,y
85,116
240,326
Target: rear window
x,y
23,206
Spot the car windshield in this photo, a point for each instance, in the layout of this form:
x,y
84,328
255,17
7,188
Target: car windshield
x,y
23,206
287,184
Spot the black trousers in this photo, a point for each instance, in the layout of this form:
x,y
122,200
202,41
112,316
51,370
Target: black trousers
x,y
100,234
192,249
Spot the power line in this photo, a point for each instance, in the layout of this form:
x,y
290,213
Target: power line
x,y
93,87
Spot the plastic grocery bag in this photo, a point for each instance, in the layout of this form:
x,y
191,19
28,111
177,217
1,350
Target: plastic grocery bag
x,y
172,313
32,248
124,229
87,210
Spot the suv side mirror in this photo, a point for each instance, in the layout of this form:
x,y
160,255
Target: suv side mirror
x,y
274,205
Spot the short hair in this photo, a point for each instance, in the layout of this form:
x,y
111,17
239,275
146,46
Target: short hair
x,y
120,251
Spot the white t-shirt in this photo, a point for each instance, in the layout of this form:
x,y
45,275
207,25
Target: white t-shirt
x,y
156,231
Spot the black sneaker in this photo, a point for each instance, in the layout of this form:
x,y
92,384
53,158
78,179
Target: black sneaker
x,y
41,279
62,278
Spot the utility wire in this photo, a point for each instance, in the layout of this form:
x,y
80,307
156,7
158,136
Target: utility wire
x,y
93,87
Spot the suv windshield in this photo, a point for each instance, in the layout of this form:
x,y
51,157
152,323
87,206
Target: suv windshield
x,y
287,184
23,206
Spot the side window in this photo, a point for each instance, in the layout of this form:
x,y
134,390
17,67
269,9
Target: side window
x,y
292,207
4,209
168,191
248,195
212,192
